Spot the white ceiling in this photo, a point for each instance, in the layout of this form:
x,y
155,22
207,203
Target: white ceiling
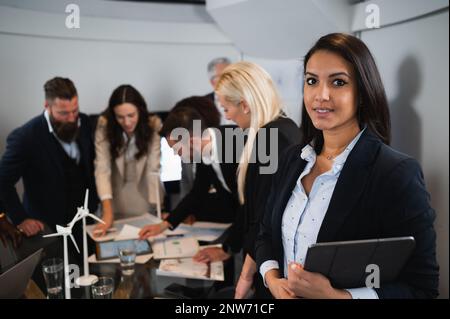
x,y
157,12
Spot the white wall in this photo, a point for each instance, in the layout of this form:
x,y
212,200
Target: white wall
x,y
166,61
413,58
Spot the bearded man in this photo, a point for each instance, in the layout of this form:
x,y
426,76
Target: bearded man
x,y
53,154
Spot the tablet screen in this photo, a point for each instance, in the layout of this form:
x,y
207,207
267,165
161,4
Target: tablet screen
x,y
110,249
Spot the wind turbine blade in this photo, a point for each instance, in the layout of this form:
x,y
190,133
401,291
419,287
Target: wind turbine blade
x,y
96,218
76,218
74,242
86,198
52,235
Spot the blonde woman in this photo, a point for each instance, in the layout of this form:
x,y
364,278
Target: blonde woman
x,y
128,153
249,98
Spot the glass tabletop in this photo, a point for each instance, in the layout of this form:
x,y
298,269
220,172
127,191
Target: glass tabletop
x,y
144,283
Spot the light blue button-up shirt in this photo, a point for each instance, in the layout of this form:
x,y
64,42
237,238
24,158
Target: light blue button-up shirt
x,y
303,215
71,149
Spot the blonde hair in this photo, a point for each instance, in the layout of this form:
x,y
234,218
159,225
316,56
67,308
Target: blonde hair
x,y
249,82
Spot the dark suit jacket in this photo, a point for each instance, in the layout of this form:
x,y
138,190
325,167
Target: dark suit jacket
x,y
380,193
219,206
257,186
210,96
32,154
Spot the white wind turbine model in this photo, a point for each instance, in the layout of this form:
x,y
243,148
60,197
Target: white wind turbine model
x,y
82,213
66,231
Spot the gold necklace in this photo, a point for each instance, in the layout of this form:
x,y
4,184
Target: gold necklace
x,y
332,156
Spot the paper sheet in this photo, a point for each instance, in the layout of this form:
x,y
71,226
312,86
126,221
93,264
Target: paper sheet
x,y
177,247
128,228
128,232
138,221
188,268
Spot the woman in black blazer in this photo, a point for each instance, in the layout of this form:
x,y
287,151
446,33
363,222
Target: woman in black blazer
x,y
249,98
344,182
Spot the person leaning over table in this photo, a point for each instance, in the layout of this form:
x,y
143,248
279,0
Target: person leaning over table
x,y
213,196
128,152
344,182
249,98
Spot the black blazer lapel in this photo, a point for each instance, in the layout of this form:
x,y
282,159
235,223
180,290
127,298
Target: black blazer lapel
x,y
289,179
350,185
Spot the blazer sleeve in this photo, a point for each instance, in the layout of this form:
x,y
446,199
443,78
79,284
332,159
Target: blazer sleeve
x,y
154,162
12,167
190,203
407,212
102,161
235,237
264,243
264,249
261,185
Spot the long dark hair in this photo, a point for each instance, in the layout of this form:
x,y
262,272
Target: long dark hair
x,y
143,132
372,107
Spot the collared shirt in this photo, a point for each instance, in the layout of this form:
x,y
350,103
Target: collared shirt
x,y
303,215
130,146
130,151
213,158
71,149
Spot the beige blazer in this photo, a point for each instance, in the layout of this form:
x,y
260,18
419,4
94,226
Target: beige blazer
x,y
109,175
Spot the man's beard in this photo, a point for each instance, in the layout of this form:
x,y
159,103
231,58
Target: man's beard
x,y
67,132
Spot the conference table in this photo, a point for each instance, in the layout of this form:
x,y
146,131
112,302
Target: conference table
x,y
144,283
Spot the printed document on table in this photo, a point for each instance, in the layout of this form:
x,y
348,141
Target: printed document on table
x,y
188,268
174,247
128,228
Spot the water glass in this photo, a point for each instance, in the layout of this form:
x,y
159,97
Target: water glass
x,y
53,271
103,288
127,258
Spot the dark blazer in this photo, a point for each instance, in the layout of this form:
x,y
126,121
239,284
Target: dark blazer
x,y
380,193
257,186
210,96
32,154
202,201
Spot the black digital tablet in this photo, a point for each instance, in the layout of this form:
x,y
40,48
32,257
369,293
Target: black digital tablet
x,y
348,263
110,249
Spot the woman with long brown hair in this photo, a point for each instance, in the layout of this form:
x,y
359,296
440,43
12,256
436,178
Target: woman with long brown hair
x,y
128,154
